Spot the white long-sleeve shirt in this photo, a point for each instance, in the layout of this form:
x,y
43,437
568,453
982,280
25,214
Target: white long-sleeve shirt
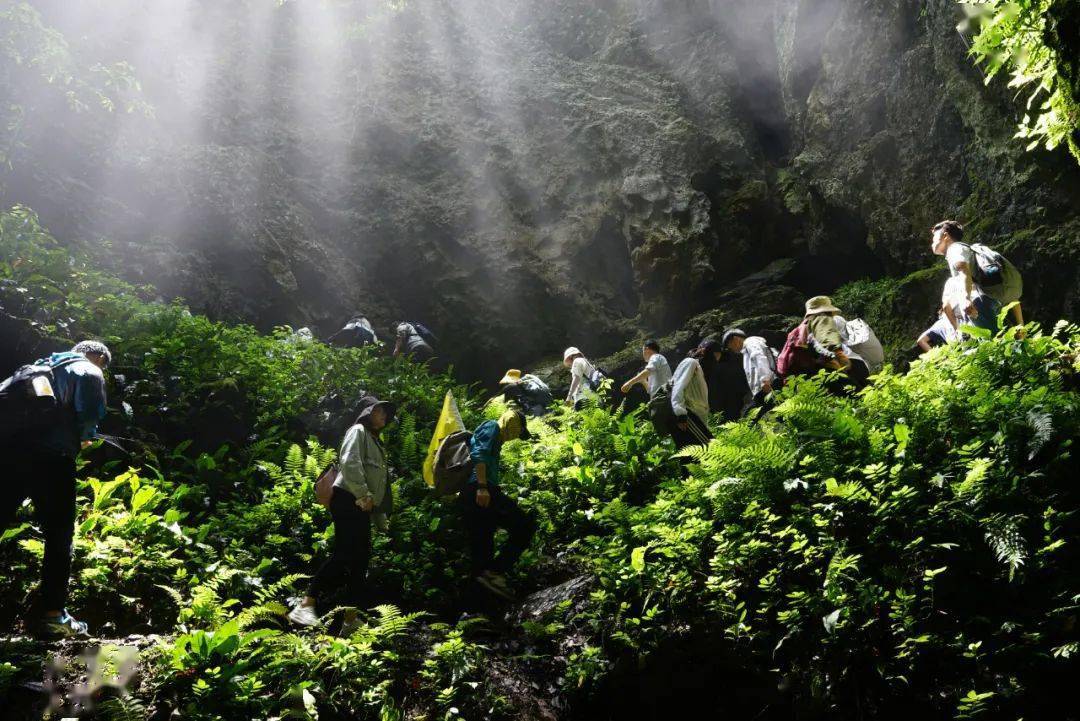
x,y
689,391
758,363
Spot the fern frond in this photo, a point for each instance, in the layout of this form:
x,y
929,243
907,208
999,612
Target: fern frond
x,y
1004,537
263,612
1042,426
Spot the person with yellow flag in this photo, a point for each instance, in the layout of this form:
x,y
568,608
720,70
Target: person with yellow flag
x,y
449,423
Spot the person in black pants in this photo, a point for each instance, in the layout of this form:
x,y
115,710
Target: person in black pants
x,y
41,467
486,508
361,496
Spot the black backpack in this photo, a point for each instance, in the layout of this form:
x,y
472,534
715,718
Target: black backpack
x,y
28,402
430,338
595,379
661,413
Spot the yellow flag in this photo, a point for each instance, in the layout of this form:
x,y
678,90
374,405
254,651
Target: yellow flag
x,y
449,422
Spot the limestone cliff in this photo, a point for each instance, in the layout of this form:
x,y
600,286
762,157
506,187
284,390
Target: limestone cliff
x,y
525,175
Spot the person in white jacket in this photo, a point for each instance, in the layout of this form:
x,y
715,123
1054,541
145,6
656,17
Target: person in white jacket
x,y
759,365
582,373
690,396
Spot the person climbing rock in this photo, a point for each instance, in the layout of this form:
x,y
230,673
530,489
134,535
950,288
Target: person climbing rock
x,y
981,308
361,496
656,372
41,466
526,392
828,331
415,341
953,314
584,378
486,508
759,365
357,333
690,395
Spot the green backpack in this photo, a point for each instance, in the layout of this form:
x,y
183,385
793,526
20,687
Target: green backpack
x,y
453,464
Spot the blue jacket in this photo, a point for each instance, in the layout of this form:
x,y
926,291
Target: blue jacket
x,y
80,387
485,447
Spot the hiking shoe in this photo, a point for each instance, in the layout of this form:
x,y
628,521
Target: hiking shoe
x,y
304,616
496,583
62,626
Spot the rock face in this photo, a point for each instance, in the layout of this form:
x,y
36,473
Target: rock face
x,y
525,175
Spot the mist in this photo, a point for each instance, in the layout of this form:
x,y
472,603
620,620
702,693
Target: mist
x,y
518,175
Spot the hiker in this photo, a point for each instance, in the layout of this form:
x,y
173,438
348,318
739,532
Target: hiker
x,y
759,365
981,308
585,378
828,332
41,466
526,391
361,496
690,395
357,333
656,372
952,315
486,507
415,341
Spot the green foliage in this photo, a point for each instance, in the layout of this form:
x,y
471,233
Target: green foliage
x,y
1012,36
906,550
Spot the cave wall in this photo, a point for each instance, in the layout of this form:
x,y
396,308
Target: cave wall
x,y
526,175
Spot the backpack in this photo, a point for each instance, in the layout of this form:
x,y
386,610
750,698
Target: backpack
x,y
989,267
796,357
355,334
453,463
28,401
862,340
430,338
660,411
324,486
596,378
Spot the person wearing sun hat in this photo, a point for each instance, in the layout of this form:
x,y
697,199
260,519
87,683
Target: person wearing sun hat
x,y
828,330
583,376
526,391
361,496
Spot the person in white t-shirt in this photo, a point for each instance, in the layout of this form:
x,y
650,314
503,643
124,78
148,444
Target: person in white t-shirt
x,y
581,374
656,372
979,307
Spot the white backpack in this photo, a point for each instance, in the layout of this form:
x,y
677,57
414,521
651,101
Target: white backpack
x,y
861,339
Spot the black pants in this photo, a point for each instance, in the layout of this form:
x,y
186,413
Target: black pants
x,y
349,559
696,433
48,480
481,523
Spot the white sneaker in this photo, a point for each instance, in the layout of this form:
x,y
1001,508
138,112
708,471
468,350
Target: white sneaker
x,y
349,626
304,616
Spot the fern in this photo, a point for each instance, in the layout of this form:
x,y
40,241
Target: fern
x,y
123,708
294,460
1004,537
1042,426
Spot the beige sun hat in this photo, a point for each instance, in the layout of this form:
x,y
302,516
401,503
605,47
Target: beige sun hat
x,y
820,304
512,376
570,353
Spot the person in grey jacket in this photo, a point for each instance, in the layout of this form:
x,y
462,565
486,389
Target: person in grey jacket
x,y
361,496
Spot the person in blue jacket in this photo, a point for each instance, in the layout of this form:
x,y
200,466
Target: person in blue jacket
x,y
486,508
41,467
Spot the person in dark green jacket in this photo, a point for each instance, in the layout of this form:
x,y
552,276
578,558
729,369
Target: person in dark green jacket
x,y
486,508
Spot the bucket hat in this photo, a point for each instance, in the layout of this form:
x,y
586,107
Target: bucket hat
x,y
820,304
